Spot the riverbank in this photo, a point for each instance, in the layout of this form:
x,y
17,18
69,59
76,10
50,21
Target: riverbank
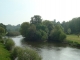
x,y
73,40
4,53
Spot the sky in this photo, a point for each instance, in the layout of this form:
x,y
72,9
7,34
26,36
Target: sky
x,y
18,11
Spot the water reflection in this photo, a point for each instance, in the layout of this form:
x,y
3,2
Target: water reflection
x,y
50,51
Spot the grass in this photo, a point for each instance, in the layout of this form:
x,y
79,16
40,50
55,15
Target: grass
x,y
73,38
4,54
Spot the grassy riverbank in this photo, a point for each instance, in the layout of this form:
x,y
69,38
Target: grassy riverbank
x,y
73,40
4,54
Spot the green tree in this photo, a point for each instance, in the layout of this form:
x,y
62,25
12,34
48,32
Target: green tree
x,y
73,24
3,26
57,34
49,25
2,32
36,19
69,30
24,28
31,34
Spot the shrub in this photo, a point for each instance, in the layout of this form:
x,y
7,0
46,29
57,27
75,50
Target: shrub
x,y
28,54
24,54
9,44
62,36
15,52
1,40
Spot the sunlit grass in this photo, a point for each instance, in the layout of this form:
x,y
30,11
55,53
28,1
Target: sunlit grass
x,y
73,38
4,54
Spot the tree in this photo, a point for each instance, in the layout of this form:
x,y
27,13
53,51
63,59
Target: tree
x,y
69,30
3,26
36,19
2,32
24,28
49,25
57,34
31,33
73,24
42,31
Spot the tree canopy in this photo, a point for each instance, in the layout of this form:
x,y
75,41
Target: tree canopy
x,y
38,30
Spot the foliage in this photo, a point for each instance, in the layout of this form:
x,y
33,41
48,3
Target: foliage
x,y
15,52
1,40
69,31
62,36
13,33
57,34
37,30
4,54
13,30
28,54
24,29
9,44
25,54
36,19
49,25
2,32
73,25
3,26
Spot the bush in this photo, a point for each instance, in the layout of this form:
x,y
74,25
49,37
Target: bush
x,y
28,54
57,35
24,54
9,44
62,36
15,52
1,41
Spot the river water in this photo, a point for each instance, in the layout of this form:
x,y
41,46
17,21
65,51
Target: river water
x,y
50,51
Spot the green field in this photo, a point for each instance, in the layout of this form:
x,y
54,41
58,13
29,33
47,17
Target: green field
x,y
4,54
73,38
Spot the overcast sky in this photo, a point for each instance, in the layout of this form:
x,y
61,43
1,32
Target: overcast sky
x,y
17,11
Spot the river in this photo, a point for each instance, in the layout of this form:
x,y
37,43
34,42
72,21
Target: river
x,y
50,51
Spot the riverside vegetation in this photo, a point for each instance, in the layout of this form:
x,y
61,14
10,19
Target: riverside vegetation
x,y
38,30
8,51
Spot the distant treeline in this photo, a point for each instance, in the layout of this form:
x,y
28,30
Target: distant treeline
x,y
72,26
11,30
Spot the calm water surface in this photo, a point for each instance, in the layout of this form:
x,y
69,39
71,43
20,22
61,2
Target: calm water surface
x,y
50,51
